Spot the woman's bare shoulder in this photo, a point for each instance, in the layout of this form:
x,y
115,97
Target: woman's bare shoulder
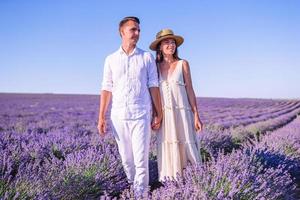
x,y
185,65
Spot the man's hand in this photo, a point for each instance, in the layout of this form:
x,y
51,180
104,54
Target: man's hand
x,y
157,108
102,127
156,122
104,101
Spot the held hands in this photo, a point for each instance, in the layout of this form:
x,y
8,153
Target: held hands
x,y
102,126
156,122
198,124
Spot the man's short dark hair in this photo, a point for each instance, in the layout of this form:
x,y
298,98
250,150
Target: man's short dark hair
x,y
126,19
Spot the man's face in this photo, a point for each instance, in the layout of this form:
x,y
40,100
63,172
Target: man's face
x,y
130,32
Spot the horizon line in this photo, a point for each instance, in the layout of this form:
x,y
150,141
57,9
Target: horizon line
x,y
89,94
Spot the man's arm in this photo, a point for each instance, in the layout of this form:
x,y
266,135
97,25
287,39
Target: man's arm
x,y
157,111
153,86
105,97
104,102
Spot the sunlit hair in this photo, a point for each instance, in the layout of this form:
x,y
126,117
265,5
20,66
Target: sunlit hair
x,y
126,19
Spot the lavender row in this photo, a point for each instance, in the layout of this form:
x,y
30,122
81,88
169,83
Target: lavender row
x,y
266,169
52,150
47,112
59,166
239,175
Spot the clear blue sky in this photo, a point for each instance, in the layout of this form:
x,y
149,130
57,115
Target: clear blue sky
x,y
245,48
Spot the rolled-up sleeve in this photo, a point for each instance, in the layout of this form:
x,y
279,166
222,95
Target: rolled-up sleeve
x,y
152,72
107,83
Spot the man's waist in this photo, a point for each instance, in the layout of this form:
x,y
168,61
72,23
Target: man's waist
x,y
137,101
131,106
130,112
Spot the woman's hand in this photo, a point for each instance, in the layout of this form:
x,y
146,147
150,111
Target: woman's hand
x,y
156,122
198,124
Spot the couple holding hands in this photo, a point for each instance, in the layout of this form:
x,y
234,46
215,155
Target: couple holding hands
x,y
148,93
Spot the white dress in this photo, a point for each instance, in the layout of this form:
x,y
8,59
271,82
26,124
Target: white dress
x,y
176,138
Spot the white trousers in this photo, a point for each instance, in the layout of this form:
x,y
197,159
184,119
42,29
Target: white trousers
x,y
133,139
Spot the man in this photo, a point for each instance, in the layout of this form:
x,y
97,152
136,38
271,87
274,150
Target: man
x,y
130,80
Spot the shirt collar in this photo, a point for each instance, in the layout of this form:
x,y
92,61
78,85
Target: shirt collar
x,y
135,51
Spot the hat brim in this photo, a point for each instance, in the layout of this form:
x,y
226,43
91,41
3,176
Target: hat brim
x,y
178,39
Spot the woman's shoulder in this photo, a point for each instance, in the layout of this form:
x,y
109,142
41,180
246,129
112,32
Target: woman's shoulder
x,y
185,64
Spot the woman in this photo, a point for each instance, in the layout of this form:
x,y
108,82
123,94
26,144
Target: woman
x,y
177,144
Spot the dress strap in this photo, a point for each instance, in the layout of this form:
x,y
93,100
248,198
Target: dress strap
x,y
181,71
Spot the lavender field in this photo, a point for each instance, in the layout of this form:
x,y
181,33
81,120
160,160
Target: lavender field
x,y
50,149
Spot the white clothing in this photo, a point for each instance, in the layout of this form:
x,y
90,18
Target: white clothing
x,y
133,139
176,140
129,78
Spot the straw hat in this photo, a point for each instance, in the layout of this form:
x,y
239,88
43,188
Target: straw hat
x,y
164,34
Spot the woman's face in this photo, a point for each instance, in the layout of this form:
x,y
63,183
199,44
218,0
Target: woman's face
x,y
168,46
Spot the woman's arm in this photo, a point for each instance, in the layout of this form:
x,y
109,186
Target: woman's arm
x,y
189,86
191,94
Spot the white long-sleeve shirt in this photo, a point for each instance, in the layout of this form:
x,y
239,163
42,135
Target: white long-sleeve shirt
x,y
129,78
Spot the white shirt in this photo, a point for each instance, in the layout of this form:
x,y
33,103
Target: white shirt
x,y
129,78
